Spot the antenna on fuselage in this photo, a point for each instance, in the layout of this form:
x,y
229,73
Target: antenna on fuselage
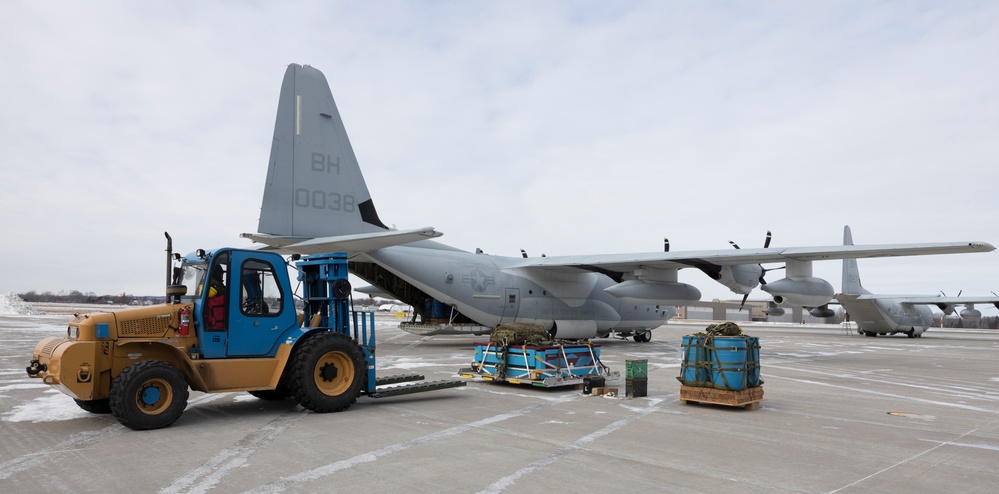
x,y
523,253
665,244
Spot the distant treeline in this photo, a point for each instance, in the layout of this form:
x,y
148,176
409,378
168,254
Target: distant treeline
x,y
77,297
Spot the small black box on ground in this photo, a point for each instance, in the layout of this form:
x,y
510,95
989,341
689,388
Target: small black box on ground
x,y
636,388
591,382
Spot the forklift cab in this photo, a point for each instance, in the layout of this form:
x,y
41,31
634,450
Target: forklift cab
x,y
243,302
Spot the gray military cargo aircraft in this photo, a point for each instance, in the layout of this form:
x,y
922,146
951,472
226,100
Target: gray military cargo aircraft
x,y
892,314
315,200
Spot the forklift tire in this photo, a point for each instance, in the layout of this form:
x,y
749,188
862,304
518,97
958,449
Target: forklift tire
x,y
95,406
328,373
151,394
276,394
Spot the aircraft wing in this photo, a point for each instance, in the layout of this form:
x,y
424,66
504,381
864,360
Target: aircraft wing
x,y
352,244
616,265
938,301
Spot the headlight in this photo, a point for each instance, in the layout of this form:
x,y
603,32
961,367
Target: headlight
x,y
73,332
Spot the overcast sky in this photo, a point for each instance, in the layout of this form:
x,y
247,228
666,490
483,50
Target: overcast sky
x,y
557,127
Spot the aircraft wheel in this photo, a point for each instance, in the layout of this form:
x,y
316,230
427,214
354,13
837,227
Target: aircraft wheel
x,y
95,406
643,337
870,333
151,394
911,333
328,372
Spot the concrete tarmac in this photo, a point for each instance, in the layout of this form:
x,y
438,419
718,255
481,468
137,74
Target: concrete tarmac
x,y
843,413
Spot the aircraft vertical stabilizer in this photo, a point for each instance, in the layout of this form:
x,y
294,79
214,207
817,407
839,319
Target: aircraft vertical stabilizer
x,y
314,185
851,273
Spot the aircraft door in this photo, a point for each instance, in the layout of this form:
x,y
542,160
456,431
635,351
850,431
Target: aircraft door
x,y
511,305
257,314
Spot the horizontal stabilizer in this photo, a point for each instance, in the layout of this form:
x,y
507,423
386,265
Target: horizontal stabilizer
x,y
373,291
352,244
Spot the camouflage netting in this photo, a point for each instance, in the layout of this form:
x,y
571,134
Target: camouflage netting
x,y
519,333
724,329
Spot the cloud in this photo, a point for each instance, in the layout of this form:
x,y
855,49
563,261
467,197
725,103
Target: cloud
x,y
560,127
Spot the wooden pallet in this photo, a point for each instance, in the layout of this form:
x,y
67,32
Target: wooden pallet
x,y
748,398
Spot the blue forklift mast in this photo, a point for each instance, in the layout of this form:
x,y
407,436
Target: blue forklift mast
x,y
327,298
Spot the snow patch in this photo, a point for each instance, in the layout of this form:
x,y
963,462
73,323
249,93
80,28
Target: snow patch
x,y
11,304
53,408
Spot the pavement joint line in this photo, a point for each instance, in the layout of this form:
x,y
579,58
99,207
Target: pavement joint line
x,y
326,470
511,479
891,395
913,457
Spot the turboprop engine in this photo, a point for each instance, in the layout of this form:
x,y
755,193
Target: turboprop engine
x,y
653,292
800,287
948,309
740,278
970,312
773,309
824,311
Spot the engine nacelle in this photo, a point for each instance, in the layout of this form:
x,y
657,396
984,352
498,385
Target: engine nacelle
x,y
773,310
971,313
948,309
823,312
740,278
651,292
805,292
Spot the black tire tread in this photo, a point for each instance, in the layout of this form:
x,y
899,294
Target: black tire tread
x,y
95,406
303,367
123,389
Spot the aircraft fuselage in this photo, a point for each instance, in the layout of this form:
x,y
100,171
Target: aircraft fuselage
x,y
491,290
887,315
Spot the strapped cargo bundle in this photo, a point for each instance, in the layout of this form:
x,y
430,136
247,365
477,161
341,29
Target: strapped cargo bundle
x,y
721,358
523,353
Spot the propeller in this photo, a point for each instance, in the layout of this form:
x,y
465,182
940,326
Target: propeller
x,y
763,271
766,241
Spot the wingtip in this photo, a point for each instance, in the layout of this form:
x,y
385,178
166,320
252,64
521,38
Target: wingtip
x,y
982,246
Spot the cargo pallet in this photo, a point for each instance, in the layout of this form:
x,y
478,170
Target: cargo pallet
x,y
748,398
546,366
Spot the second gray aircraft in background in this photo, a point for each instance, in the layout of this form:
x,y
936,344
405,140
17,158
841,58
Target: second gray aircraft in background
x,y
893,314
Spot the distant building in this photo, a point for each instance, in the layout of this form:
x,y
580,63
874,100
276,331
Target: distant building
x,y
728,310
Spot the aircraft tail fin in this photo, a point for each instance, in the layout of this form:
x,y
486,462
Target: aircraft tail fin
x,y
314,185
851,273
